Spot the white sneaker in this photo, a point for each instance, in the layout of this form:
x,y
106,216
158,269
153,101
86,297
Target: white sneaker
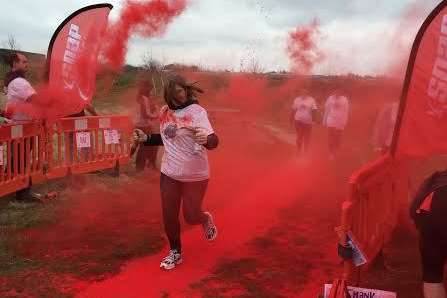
x,y
209,228
171,260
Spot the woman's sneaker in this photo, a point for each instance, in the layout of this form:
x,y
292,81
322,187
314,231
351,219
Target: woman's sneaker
x,y
209,228
169,262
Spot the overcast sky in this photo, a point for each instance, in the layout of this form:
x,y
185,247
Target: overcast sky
x,y
356,34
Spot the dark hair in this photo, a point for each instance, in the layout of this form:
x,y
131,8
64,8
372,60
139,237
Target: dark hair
x,y
12,58
190,89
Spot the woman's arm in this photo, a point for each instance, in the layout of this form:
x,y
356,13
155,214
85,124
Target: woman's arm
x,y
212,142
139,137
153,140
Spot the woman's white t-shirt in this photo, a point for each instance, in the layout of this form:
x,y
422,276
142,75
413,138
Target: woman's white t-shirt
x,y
304,107
184,160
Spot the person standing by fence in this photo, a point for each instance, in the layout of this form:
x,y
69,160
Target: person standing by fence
x,y
146,119
19,93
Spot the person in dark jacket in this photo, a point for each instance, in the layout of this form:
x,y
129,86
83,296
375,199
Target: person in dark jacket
x,y
429,212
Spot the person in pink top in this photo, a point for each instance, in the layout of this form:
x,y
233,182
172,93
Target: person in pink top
x,y
186,134
146,118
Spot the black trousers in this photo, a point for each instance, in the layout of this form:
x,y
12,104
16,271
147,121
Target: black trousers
x,y
188,194
432,246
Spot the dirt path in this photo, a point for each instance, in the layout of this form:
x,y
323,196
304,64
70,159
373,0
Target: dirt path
x,y
243,212
276,214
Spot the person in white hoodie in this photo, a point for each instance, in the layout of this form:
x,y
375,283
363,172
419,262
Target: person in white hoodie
x,y
336,115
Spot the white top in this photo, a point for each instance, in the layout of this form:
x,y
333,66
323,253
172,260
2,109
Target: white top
x,y
303,106
19,90
336,112
184,160
384,127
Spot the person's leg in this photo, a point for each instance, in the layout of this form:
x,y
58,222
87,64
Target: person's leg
x,y
193,194
152,155
331,141
299,136
338,139
140,160
25,193
307,131
170,190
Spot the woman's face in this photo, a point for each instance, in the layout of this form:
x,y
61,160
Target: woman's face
x,y
180,94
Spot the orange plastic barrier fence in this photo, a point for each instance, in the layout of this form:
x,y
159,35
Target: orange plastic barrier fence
x,y
370,213
86,144
31,153
21,155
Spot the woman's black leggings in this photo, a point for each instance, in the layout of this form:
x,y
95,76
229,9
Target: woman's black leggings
x,y
172,194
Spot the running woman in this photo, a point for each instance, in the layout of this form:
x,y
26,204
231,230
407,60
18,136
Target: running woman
x,y
186,134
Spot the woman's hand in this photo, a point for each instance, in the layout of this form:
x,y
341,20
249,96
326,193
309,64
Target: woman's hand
x,y
200,136
139,136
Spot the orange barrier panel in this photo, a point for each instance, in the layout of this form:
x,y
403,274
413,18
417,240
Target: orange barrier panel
x,y
32,152
370,213
21,155
86,144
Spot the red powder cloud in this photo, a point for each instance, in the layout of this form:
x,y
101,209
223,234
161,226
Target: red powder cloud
x,y
146,19
302,47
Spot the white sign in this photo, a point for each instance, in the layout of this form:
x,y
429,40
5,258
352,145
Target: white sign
x,y
83,139
358,257
1,155
111,136
362,293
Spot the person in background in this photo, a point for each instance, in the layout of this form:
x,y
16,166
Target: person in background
x,y
146,119
429,210
303,116
336,115
17,89
187,134
384,127
19,92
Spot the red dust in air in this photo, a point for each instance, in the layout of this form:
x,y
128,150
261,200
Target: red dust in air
x,y
254,176
146,19
402,37
302,47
